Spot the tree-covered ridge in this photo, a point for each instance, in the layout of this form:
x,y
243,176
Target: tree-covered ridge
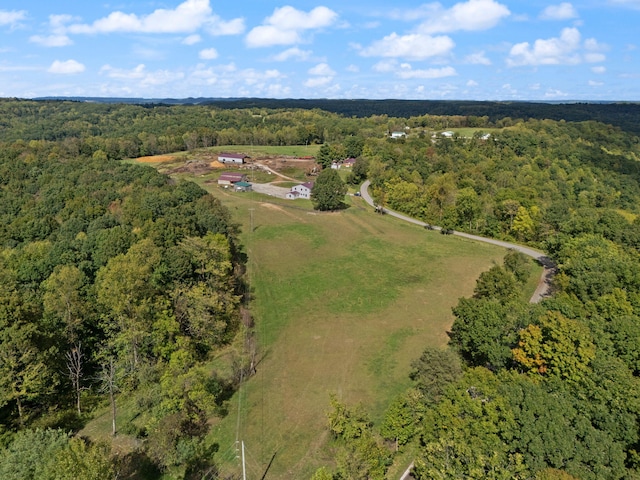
x,y
114,280
127,130
620,114
524,182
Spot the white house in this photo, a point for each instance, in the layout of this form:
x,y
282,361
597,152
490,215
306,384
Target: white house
x,y
231,158
300,191
398,134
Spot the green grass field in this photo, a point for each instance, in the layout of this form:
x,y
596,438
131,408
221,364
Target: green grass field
x,y
343,303
261,150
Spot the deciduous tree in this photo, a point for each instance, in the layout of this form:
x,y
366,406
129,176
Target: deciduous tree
x,y
328,190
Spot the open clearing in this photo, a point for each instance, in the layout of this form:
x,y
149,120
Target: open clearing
x,y
343,303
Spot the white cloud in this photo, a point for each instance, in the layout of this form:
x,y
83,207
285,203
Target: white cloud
x,y
322,69
563,11
318,82
593,83
287,24
472,83
12,18
568,49
67,67
289,18
189,16
142,77
414,46
353,68
208,54
407,72
473,15
554,93
218,27
553,51
292,53
323,75
252,77
51,40
192,39
268,35
58,36
478,58
385,66
136,73
599,69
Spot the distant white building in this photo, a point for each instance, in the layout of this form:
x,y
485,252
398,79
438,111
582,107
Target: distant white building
x,y
447,134
398,134
300,191
231,158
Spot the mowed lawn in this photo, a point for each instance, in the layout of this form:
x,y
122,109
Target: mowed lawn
x,y
343,303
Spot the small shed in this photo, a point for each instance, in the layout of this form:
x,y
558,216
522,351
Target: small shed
x,y
231,178
237,158
242,187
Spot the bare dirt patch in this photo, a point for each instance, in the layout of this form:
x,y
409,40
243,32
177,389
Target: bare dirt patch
x,y
156,159
194,167
279,163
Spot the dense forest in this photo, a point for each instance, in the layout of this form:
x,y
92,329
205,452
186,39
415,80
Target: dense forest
x,y
114,281
620,114
118,282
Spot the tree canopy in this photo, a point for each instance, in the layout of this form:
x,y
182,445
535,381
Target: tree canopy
x,y
328,191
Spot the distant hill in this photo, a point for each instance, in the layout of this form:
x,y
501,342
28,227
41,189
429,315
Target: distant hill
x,y
625,115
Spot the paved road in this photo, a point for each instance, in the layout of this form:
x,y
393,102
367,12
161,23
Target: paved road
x,y
544,285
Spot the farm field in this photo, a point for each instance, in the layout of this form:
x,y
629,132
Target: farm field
x,y
343,303
266,150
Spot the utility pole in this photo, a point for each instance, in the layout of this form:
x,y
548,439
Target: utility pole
x,y
244,470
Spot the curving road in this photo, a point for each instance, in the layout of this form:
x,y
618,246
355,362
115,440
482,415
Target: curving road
x,y
544,285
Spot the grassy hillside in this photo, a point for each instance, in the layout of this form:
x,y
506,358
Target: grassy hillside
x,y
343,303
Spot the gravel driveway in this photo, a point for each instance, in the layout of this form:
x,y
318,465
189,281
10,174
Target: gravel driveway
x,y
549,268
268,189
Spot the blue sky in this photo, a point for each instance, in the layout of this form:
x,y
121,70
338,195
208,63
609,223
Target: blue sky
x,y
469,49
